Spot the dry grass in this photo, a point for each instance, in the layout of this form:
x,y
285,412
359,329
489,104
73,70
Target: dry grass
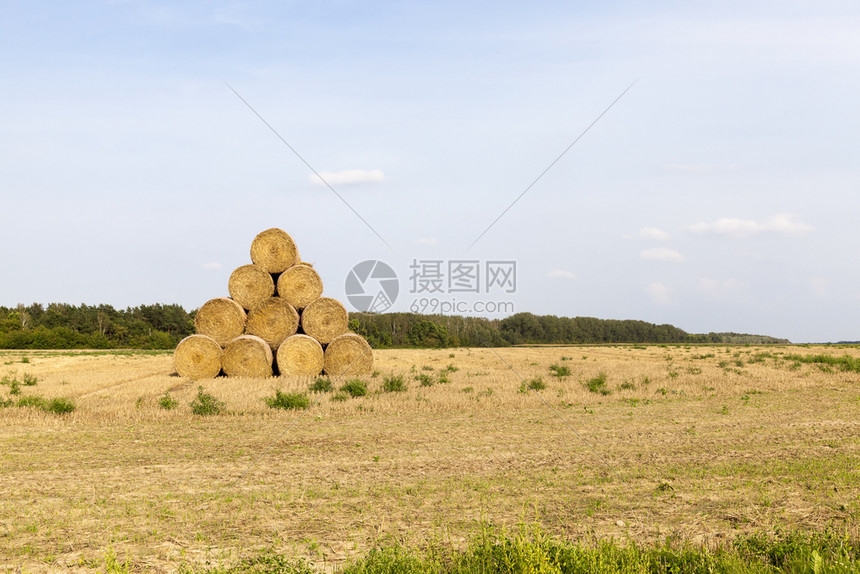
x,y
700,442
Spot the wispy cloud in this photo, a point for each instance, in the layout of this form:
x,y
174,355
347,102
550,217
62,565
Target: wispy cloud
x,y
784,223
212,265
660,293
653,233
554,273
348,177
662,254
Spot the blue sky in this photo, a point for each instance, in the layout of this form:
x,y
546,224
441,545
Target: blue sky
x,y
719,194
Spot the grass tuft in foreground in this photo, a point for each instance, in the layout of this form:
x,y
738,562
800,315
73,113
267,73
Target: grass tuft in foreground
x,y
355,388
843,363
167,402
598,384
283,400
59,405
532,551
205,404
393,384
320,385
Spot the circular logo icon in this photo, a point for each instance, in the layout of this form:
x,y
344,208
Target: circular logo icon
x,y
372,286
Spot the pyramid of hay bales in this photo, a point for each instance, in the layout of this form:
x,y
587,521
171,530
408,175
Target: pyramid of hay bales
x,y
275,322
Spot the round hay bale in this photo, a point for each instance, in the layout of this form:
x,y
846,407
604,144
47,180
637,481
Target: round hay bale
x,y
247,356
273,320
197,357
300,355
300,285
250,285
222,319
325,319
274,250
348,355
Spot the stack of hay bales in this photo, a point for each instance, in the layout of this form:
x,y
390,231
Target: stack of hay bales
x,y
275,321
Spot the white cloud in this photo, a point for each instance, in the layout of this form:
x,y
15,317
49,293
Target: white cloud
x,y
662,254
427,241
653,233
717,288
559,273
213,265
733,227
660,293
348,177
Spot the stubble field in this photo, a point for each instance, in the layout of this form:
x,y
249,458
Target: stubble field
x,y
693,443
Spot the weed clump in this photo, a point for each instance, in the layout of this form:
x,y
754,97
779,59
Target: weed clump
x,y
355,388
559,371
32,401
167,402
283,400
425,380
535,384
205,404
393,384
58,405
598,384
321,385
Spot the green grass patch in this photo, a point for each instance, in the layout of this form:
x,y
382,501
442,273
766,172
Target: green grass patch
x,y
532,551
57,405
355,388
843,363
535,384
393,384
559,371
321,385
425,380
598,384
167,402
289,401
205,404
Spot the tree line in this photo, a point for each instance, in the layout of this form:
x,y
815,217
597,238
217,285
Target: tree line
x,y
412,330
64,326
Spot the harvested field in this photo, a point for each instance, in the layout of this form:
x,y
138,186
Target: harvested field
x,y
637,443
